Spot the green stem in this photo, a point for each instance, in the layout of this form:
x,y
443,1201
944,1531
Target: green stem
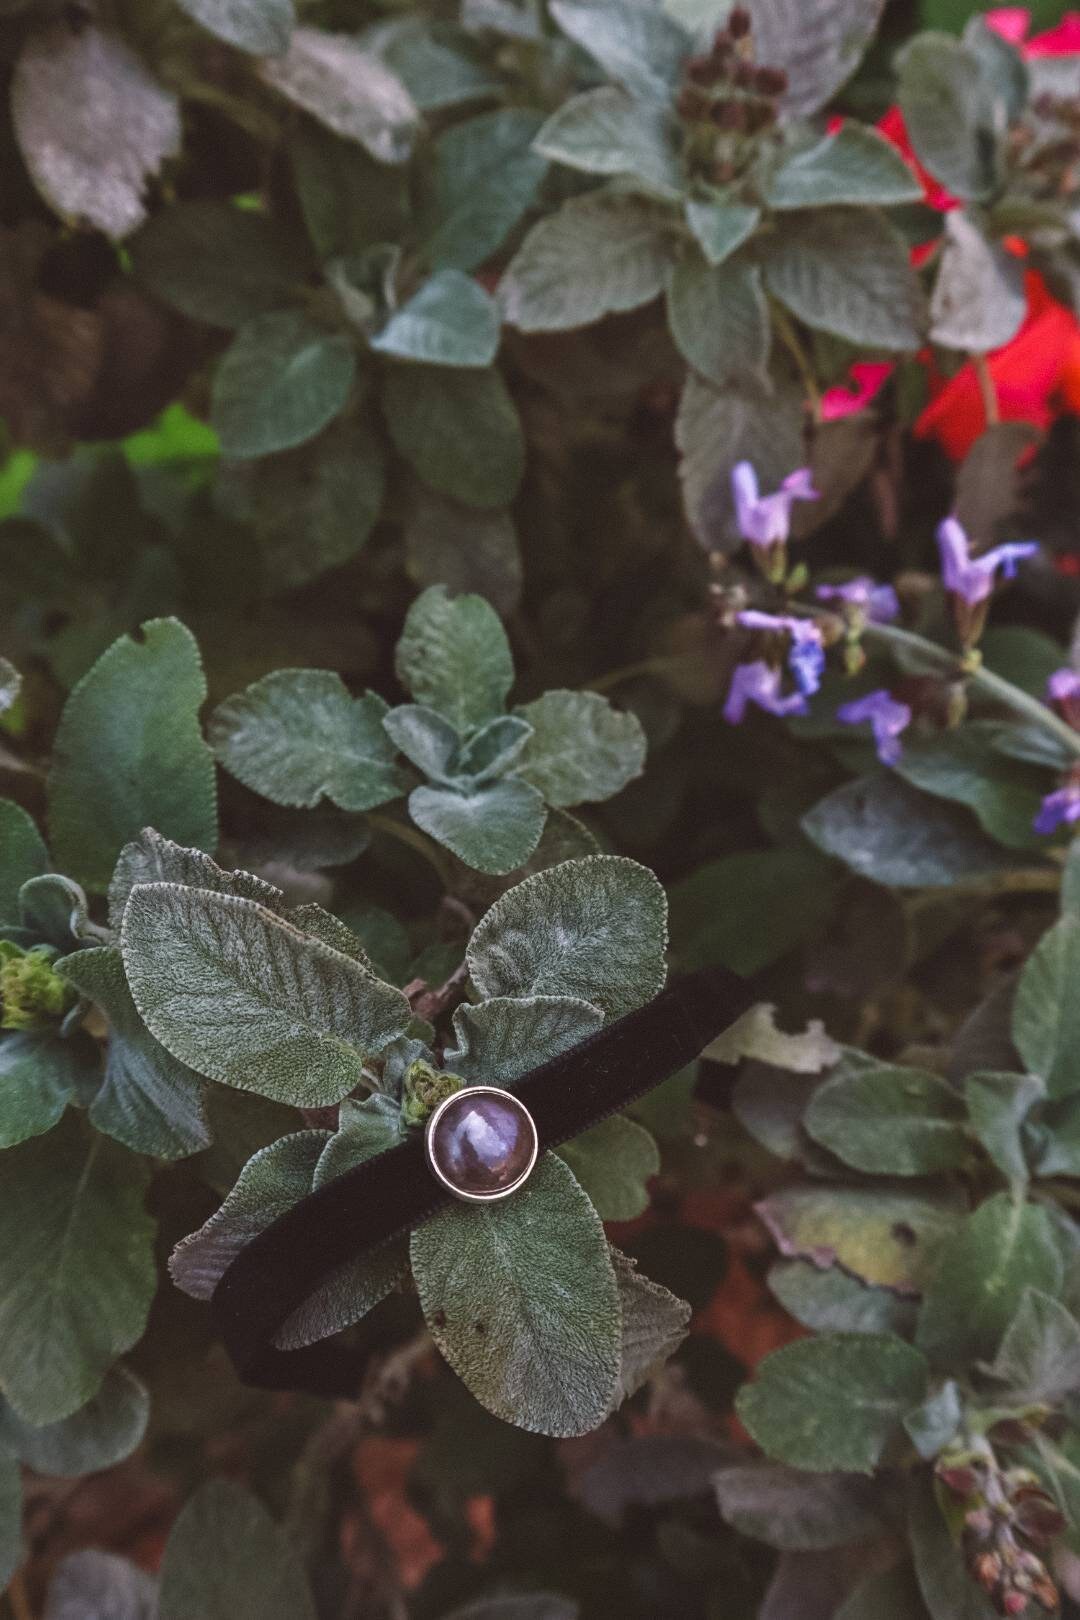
x,y
790,340
415,841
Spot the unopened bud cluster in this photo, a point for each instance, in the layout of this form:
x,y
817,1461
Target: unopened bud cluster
x,y
727,98
1008,1518
32,994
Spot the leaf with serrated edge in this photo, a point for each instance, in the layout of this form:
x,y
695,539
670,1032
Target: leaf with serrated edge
x,y
605,131
350,90
262,27
150,858
854,165
493,828
500,1040
449,321
599,255
453,656
654,1324
280,383
718,317
847,271
581,750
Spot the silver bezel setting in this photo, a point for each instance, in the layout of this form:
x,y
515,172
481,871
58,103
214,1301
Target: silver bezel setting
x,y
503,1192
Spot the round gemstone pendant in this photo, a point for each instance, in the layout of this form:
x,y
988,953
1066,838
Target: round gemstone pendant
x,y
481,1143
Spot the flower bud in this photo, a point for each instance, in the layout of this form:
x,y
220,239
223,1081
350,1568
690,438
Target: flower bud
x,y
738,24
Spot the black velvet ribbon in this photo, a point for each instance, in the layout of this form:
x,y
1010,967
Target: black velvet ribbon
x,y
391,1193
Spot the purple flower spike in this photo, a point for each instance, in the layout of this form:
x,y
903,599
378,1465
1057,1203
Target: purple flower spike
x,y
765,520
1063,686
1059,809
970,578
887,718
759,683
880,603
806,657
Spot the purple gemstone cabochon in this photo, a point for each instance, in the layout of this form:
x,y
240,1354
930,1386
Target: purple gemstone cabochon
x,y
482,1144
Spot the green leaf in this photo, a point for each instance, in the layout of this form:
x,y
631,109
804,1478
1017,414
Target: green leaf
x,y
593,928
262,27
613,1163
601,254
432,62
449,321
297,737
240,995
492,750
453,656
721,227
129,754
968,767
784,1508
834,1302
54,911
581,749
946,1586
997,1106
78,1271
22,856
737,911
487,176
149,858
428,740
94,1585
459,429
218,263
1046,1012
889,832
348,89
718,317
39,1075
890,1121
605,131
10,685
980,1276
856,165
833,1402
464,549
819,49
281,382
654,1324
1021,655
1003,65
521,1299
715,428
494,828
933,1425
1039,1356
500,1040
889,1239
148,1101
893,1592
11,1547
99,1435
847,271
979,302
638,46
226,1559
952,114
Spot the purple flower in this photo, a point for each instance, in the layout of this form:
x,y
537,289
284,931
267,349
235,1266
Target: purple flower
x,y
1059,809
1063,686
806,655
879,602
887,718
759,683
765,520
971,578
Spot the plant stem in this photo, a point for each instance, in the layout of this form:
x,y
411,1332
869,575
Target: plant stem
x,y
18,1598
987,390
416,841
790,340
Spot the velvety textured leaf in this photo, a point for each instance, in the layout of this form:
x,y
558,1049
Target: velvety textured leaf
x,y
581,749
1039,1356
498,1041
10,685
92,123
890,1121
22,855
464,549
613,1162
951,113
819,49
487,176
449,321
891,833
933,1425
716,428
834,1302
11,1547
1046,1011
784,1508
262,27
148,1101
95,1585
459,429
350,90
997,1105
737,912
77,1270
297,737
218,263
855,165
226,1559
426,739
454,657
606,131
533,1327
281,382
150,858
599,255
718,317
721,227
432,62
654,1324
968,767
593,928
39,1075
847,271
99,1435
637,45
492,750
1007,1245
889,1239
245,998
129,754
492,828
979,300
